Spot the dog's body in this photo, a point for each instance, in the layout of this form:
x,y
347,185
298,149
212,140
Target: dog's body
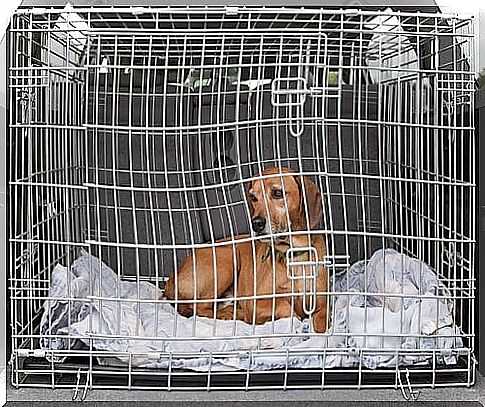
x,y
212,272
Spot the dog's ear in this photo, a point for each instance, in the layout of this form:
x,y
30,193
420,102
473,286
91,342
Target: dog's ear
x,y
313,202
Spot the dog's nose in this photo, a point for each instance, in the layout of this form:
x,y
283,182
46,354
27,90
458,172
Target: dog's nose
x,y
258,224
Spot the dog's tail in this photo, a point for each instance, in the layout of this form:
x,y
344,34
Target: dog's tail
x,y
183,309
170,289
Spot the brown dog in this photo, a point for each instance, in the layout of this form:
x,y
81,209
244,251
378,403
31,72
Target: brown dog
x,y
238,266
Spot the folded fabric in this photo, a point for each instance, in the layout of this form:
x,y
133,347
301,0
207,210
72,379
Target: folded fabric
x,y
367,314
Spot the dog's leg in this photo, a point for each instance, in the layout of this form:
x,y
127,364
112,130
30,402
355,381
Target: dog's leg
x,y
264,311
203,278
319,318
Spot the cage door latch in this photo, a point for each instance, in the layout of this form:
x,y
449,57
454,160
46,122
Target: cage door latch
x,y
289,94
407,390
302,268
79,392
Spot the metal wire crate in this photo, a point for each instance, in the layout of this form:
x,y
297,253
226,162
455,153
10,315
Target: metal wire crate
x,y
133,135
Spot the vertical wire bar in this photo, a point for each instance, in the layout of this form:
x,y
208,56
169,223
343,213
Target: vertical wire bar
x,y
67,161
149,172
472,205
96,154
185,195
324,160
115,93
358,83
381,136
166,72
226,200
437,153
161,268
132,182
419,108
456,85
87,178
278,158
205,187
30,190
15,194
260,160
339,147
239,169
320,72
304,200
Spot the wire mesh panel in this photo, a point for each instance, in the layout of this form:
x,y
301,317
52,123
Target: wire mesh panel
x,y
241,198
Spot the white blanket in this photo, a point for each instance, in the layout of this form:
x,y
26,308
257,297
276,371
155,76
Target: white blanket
x,y
108,315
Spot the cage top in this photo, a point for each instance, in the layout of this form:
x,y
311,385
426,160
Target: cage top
x,y
347,21
426,8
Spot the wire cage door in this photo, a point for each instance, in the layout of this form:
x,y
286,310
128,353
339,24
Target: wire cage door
x,y
185,109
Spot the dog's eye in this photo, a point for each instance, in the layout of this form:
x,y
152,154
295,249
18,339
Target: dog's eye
x,y
253,198
277,193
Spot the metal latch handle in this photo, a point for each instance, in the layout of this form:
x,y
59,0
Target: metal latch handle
x,y
293,256
293,98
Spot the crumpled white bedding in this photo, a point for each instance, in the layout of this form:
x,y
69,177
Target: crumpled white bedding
x,y
107,314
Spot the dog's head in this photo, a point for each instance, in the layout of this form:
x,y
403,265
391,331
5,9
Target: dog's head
x,y
284,202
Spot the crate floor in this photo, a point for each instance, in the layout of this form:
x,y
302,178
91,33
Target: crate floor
x,y
119,376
